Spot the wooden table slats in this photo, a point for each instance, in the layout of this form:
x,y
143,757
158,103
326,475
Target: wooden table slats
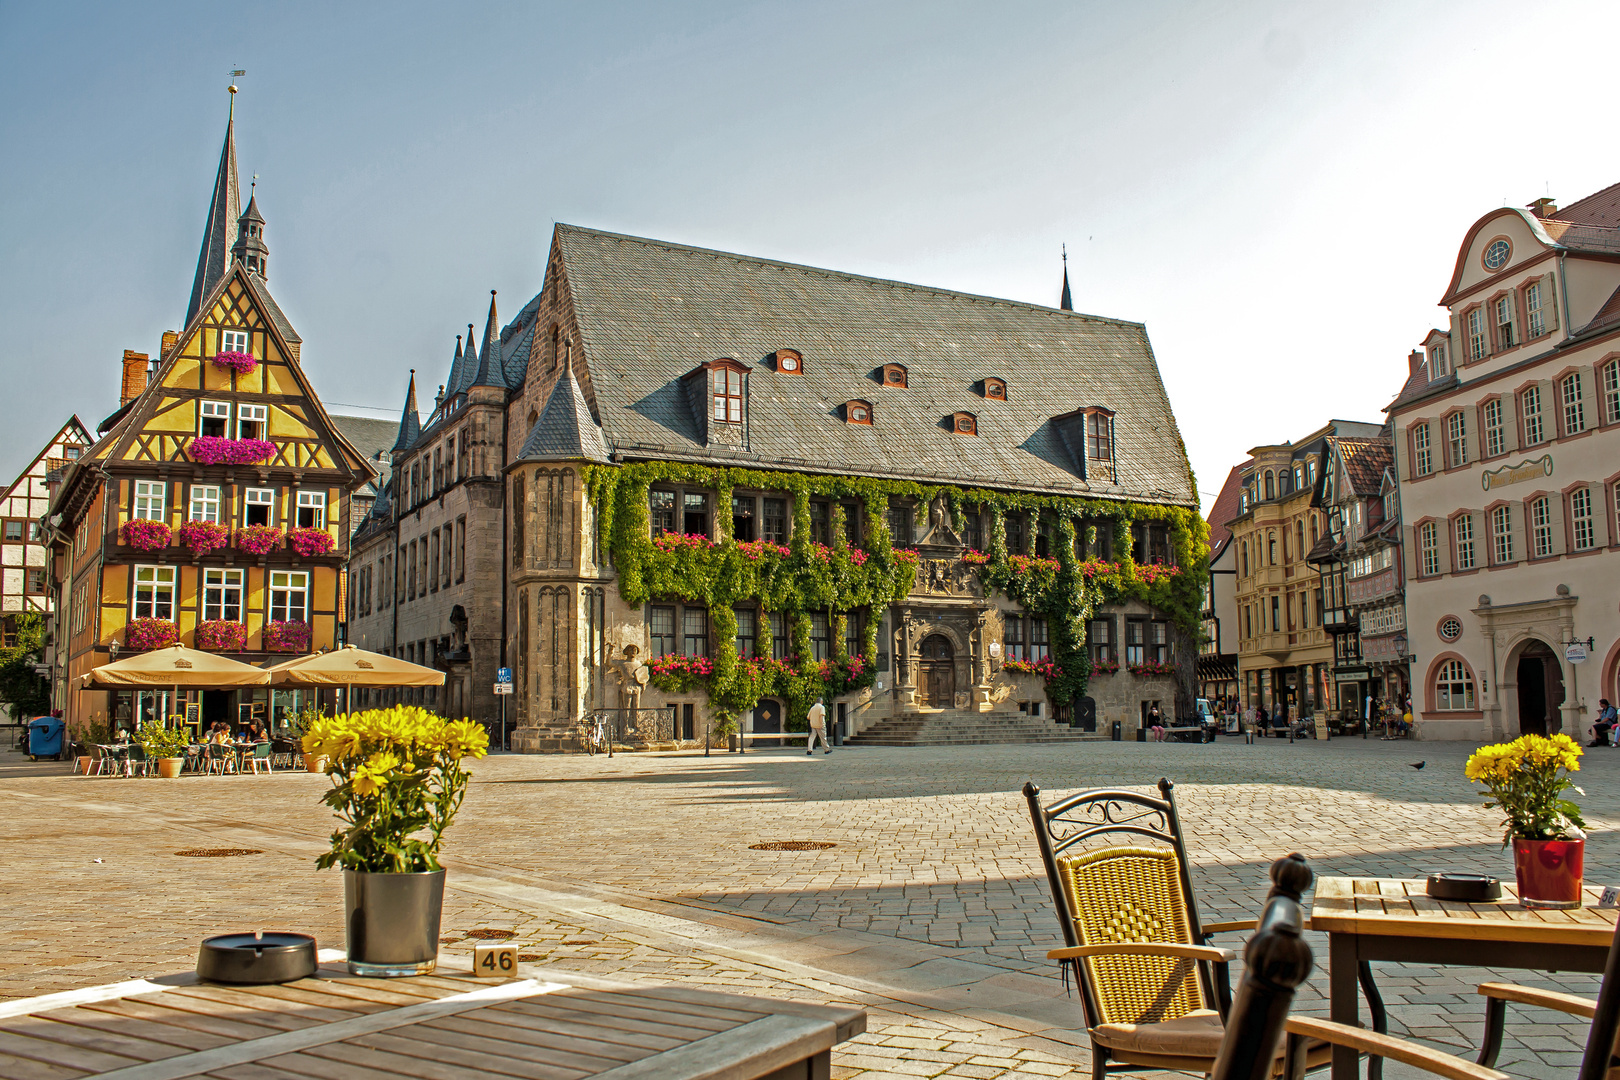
x,y
1400,907
446,1026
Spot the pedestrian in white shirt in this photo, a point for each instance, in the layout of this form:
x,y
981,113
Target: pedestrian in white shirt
x,y
818,730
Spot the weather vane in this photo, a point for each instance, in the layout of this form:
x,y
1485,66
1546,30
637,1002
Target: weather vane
x,y
235,73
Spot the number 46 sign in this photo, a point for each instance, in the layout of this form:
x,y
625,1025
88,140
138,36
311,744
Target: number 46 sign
x,y
495,961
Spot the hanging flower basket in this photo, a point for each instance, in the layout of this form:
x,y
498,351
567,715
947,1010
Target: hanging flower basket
x,y
310,542
221,635
289,636
144,535
216,450
204,536
143,634
239,362
258,539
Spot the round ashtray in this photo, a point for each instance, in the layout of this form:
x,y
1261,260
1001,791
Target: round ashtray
x,y
1469,888
256,959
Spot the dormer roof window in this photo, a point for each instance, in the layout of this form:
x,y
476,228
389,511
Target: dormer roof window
x,y
718,395
858,412
995,389
726,391
1089,435
894,375
964,423
788,361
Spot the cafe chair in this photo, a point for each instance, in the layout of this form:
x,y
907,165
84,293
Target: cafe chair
x,y
261,756
139,764
1155,993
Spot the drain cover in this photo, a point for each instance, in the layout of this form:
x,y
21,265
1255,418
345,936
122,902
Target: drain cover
x,y
217,852
791,845
491,935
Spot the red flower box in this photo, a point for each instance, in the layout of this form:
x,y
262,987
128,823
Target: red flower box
x,y
258,539
239,362
204,536
144,535
221,635
289,636
310,542
143,634
216,450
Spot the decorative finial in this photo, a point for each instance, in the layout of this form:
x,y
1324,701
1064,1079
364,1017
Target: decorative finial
x,y
235,73
253,186
1065,254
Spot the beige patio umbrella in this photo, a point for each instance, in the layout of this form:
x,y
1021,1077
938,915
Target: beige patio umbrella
x,y
175,666
350,666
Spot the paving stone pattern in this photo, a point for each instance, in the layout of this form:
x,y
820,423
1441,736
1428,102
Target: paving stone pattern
x,y
931,912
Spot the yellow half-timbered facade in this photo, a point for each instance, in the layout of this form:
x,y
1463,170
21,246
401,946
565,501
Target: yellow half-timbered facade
x,y
214,508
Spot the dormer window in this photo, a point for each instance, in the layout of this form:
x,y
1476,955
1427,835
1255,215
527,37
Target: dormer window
x,y
789,361
858,412
1437,362
726,385
995,389
1099,444
894,375
964,423
233,341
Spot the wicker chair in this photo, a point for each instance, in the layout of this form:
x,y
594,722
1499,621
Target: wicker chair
x,y
1155,993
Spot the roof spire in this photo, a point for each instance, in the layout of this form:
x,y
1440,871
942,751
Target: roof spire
x,y
410,421
469,367
219,228
490,372
1067,303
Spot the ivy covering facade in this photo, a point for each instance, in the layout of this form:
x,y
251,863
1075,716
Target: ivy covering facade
x,y
804,577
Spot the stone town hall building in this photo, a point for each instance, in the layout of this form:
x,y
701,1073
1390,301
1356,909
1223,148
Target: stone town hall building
x,y
750,484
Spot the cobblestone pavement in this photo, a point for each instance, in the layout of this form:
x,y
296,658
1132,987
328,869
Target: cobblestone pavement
x,y
931,912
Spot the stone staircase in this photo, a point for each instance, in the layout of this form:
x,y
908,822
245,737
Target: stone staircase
x,y
967,729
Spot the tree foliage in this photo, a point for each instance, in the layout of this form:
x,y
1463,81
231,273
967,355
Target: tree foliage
x,y
22,690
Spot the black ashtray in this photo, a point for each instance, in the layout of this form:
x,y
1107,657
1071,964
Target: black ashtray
x,y
1472,888
256,959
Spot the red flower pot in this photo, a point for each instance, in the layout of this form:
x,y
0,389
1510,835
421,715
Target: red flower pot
x,y
1549,872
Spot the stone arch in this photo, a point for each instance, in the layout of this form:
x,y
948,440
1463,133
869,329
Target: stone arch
x,y
1431,697
1519,684
1610,687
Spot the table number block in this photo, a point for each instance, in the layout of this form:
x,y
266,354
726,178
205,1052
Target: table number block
x,y
495,961
1610,897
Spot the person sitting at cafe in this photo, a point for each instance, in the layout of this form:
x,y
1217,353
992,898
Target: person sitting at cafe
x,y
255,730
218,734
1605,723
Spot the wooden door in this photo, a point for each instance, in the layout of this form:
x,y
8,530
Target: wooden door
x,y
937,664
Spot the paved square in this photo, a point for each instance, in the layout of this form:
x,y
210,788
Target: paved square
x,y
931,911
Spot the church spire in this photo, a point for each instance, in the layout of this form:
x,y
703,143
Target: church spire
x,y
410,421
250,248
1067,303
489,364
219,229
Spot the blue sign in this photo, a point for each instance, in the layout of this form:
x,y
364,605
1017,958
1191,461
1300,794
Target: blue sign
x,y
503,674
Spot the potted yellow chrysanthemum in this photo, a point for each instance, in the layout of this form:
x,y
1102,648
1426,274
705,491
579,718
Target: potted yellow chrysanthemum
x,y
1526,780
397,782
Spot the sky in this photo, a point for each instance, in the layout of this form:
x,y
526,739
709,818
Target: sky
x,y
1276,189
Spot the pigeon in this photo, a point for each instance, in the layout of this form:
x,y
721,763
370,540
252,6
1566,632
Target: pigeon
x,y
1417,764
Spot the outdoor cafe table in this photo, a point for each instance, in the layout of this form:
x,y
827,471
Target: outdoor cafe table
x,y
1393,919
446,1026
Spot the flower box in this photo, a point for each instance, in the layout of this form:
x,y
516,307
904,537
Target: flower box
x,y
144,535
1152,573
258,539
1105,667
669,541
221,635
216,450
758,549
204,536
1046,668
1152,667
143,634
289,636
310,542
239,362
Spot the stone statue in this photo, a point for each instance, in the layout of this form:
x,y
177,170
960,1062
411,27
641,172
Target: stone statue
x,y
941,531
632,675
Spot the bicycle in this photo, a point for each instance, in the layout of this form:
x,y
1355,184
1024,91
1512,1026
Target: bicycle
x,y
591,736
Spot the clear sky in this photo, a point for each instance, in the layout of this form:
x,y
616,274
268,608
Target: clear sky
x,y
1277,189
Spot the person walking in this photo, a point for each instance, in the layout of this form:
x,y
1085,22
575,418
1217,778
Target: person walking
x,y
818,730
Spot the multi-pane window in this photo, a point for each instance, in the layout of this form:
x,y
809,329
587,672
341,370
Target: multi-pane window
x,y
1013,631
256,506
1530,409
1422,457
779,636
1136,640
1502,534
695,513
251,421
1541,527
1580,519
1504,321
898,520
14,531
852,633
728,396
1015,534
222,594
1437,362
1535,318
149,499
742,518
154,592
661,629
1429,546
216,418
36,581
1495,436
747,632
1100,440
1464,530
1574,409
1611,392
1478,344
774,521
312,509
204,502
1040,646
233,341
694,631
820,636
1457,438
661,511
820,523
289,596
1454,687
1159,639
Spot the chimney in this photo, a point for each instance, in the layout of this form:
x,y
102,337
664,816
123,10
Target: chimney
x,y
1414,361
135,366
171,338
1543,208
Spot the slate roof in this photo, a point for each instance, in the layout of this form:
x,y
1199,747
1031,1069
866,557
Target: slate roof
x,y
650,312
565,430
1607,315
219,228
373,438
410,418
273,309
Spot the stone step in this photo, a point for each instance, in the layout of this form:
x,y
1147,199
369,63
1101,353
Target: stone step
x,y
966,729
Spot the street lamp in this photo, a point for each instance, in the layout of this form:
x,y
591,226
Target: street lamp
x,y
1400,645
112,649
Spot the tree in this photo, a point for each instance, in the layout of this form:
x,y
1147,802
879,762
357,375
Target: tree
x,y
22,690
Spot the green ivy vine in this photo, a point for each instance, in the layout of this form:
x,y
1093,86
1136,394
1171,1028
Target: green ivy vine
x,y
1064,589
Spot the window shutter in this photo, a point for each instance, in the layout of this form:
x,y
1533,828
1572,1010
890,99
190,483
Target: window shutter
x,y
1443,544
1591,399
1602,515
1556,507
1549,302
1521,535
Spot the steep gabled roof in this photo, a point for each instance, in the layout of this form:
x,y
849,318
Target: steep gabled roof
x,y
1416,383
1223,510
565,430
74,424
219,228
1364,463
649,312
410,418
1600,208
491,369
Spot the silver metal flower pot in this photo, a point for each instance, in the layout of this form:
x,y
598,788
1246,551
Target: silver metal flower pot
x,y
392,922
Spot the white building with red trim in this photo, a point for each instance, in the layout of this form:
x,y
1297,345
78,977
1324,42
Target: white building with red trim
x,y
1507,443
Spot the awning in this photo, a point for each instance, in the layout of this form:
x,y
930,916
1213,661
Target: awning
x,y
350,666
175,666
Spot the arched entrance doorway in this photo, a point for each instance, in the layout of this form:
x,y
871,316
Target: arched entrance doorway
x,y
936,672
1540,689
767,720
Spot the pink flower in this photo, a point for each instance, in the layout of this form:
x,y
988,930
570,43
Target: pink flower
x,y
310,542
145,535
150,634
239,362
204,536
215,450
289,636
221,635
258,539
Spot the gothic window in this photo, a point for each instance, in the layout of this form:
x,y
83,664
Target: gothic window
x,y
596,654
520,511
552,630
553,510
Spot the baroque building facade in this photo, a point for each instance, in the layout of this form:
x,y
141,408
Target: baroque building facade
x,y
1506,440
213,508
